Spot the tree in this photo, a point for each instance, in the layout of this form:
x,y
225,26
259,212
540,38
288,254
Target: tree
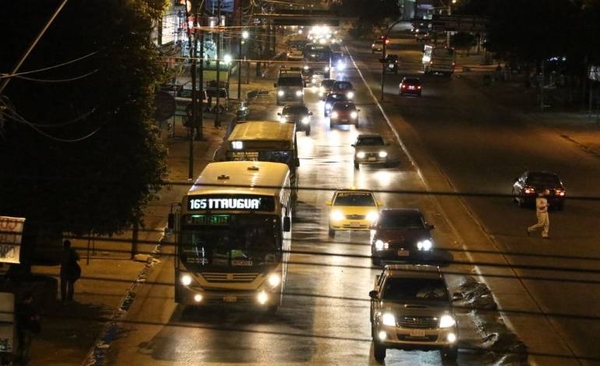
x,y
369,15
79,150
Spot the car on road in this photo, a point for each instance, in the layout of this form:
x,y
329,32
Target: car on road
x,y
330,99
343,86
410,85
325,88
401,234
421,35
377,45
412,309
297,113
371,149
343,113
352,209
526,187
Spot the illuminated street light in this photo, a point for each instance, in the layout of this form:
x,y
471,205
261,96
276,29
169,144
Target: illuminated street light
x,y
243,39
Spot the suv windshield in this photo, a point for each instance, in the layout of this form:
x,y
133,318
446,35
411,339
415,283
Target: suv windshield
x,y
410,289
295,110
400,222
290,81
370,141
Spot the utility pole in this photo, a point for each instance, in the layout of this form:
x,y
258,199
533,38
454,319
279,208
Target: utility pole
x,y
219,38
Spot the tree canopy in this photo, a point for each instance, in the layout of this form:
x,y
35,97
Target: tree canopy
x,y
370,15
78,147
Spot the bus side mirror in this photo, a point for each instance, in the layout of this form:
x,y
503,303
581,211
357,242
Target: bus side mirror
x,y
287,224
171,221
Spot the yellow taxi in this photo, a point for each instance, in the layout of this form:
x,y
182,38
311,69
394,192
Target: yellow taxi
x,y
352,209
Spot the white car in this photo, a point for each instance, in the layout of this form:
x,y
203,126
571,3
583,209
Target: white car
x,y
371,148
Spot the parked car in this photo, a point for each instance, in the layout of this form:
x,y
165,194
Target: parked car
x,y
343,113
332,98
371,148
526,187
298,114
401,234
352,209
410,85
412,309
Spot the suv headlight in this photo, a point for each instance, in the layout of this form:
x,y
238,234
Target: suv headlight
x,y
360,154
424,245
334,115
299,93
280,93
305,120
383,154
388,319
381,245
447,321
353,114
350,95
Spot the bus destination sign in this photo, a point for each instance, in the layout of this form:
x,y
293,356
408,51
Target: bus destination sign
x,y
231,203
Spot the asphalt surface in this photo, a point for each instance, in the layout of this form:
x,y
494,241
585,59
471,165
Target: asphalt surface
x,y
80,333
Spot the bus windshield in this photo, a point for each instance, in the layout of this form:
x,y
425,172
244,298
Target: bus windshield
x,y
230,241
275,156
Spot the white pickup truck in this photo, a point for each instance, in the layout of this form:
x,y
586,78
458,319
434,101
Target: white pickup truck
x,y
438,60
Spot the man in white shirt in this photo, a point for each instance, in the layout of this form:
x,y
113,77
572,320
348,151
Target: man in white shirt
x,y
541,211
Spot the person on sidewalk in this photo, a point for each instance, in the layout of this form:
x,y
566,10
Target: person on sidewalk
x,y
69,271
541,212
28,324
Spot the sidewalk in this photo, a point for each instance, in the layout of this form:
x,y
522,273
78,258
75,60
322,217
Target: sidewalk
x,y
82,330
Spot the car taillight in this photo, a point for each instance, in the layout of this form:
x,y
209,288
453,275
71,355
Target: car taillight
x,y
529,190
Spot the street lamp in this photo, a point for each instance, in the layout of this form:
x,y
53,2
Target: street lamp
x,y
243,38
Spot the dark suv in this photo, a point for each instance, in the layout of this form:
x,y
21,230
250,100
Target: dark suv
x,y
411,309
298,114
401,234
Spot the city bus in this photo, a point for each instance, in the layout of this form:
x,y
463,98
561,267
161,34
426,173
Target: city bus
x,y
264,141
317,59
233,236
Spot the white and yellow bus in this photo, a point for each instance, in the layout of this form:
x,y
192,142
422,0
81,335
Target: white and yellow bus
x,y
233,235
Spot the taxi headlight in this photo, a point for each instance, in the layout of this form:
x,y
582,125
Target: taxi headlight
x,y
372,216
380,244
353,114
388,319
424,245
350,95
361,154
337,215
186,279
280,93
334,114
383,154
274,280
447,321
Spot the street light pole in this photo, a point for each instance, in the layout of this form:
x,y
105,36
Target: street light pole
x,y
383,50
243,37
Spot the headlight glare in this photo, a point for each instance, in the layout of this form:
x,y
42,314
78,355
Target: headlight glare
x,y
383,154
334,114
274,280
447,321
380,245
388,319
372,216
360,154
280,93
353,114
424,245
337,215
186,279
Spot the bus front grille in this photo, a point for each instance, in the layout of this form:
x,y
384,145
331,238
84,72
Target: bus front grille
x,y
229,277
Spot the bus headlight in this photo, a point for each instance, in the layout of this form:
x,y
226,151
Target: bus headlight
x,y
186,279
274,280
262,297
198,298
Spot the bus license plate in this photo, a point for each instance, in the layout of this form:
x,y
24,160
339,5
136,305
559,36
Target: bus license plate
x,y
229,298
417,333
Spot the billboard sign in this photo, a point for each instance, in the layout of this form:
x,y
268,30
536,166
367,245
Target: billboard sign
x,y
11,234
